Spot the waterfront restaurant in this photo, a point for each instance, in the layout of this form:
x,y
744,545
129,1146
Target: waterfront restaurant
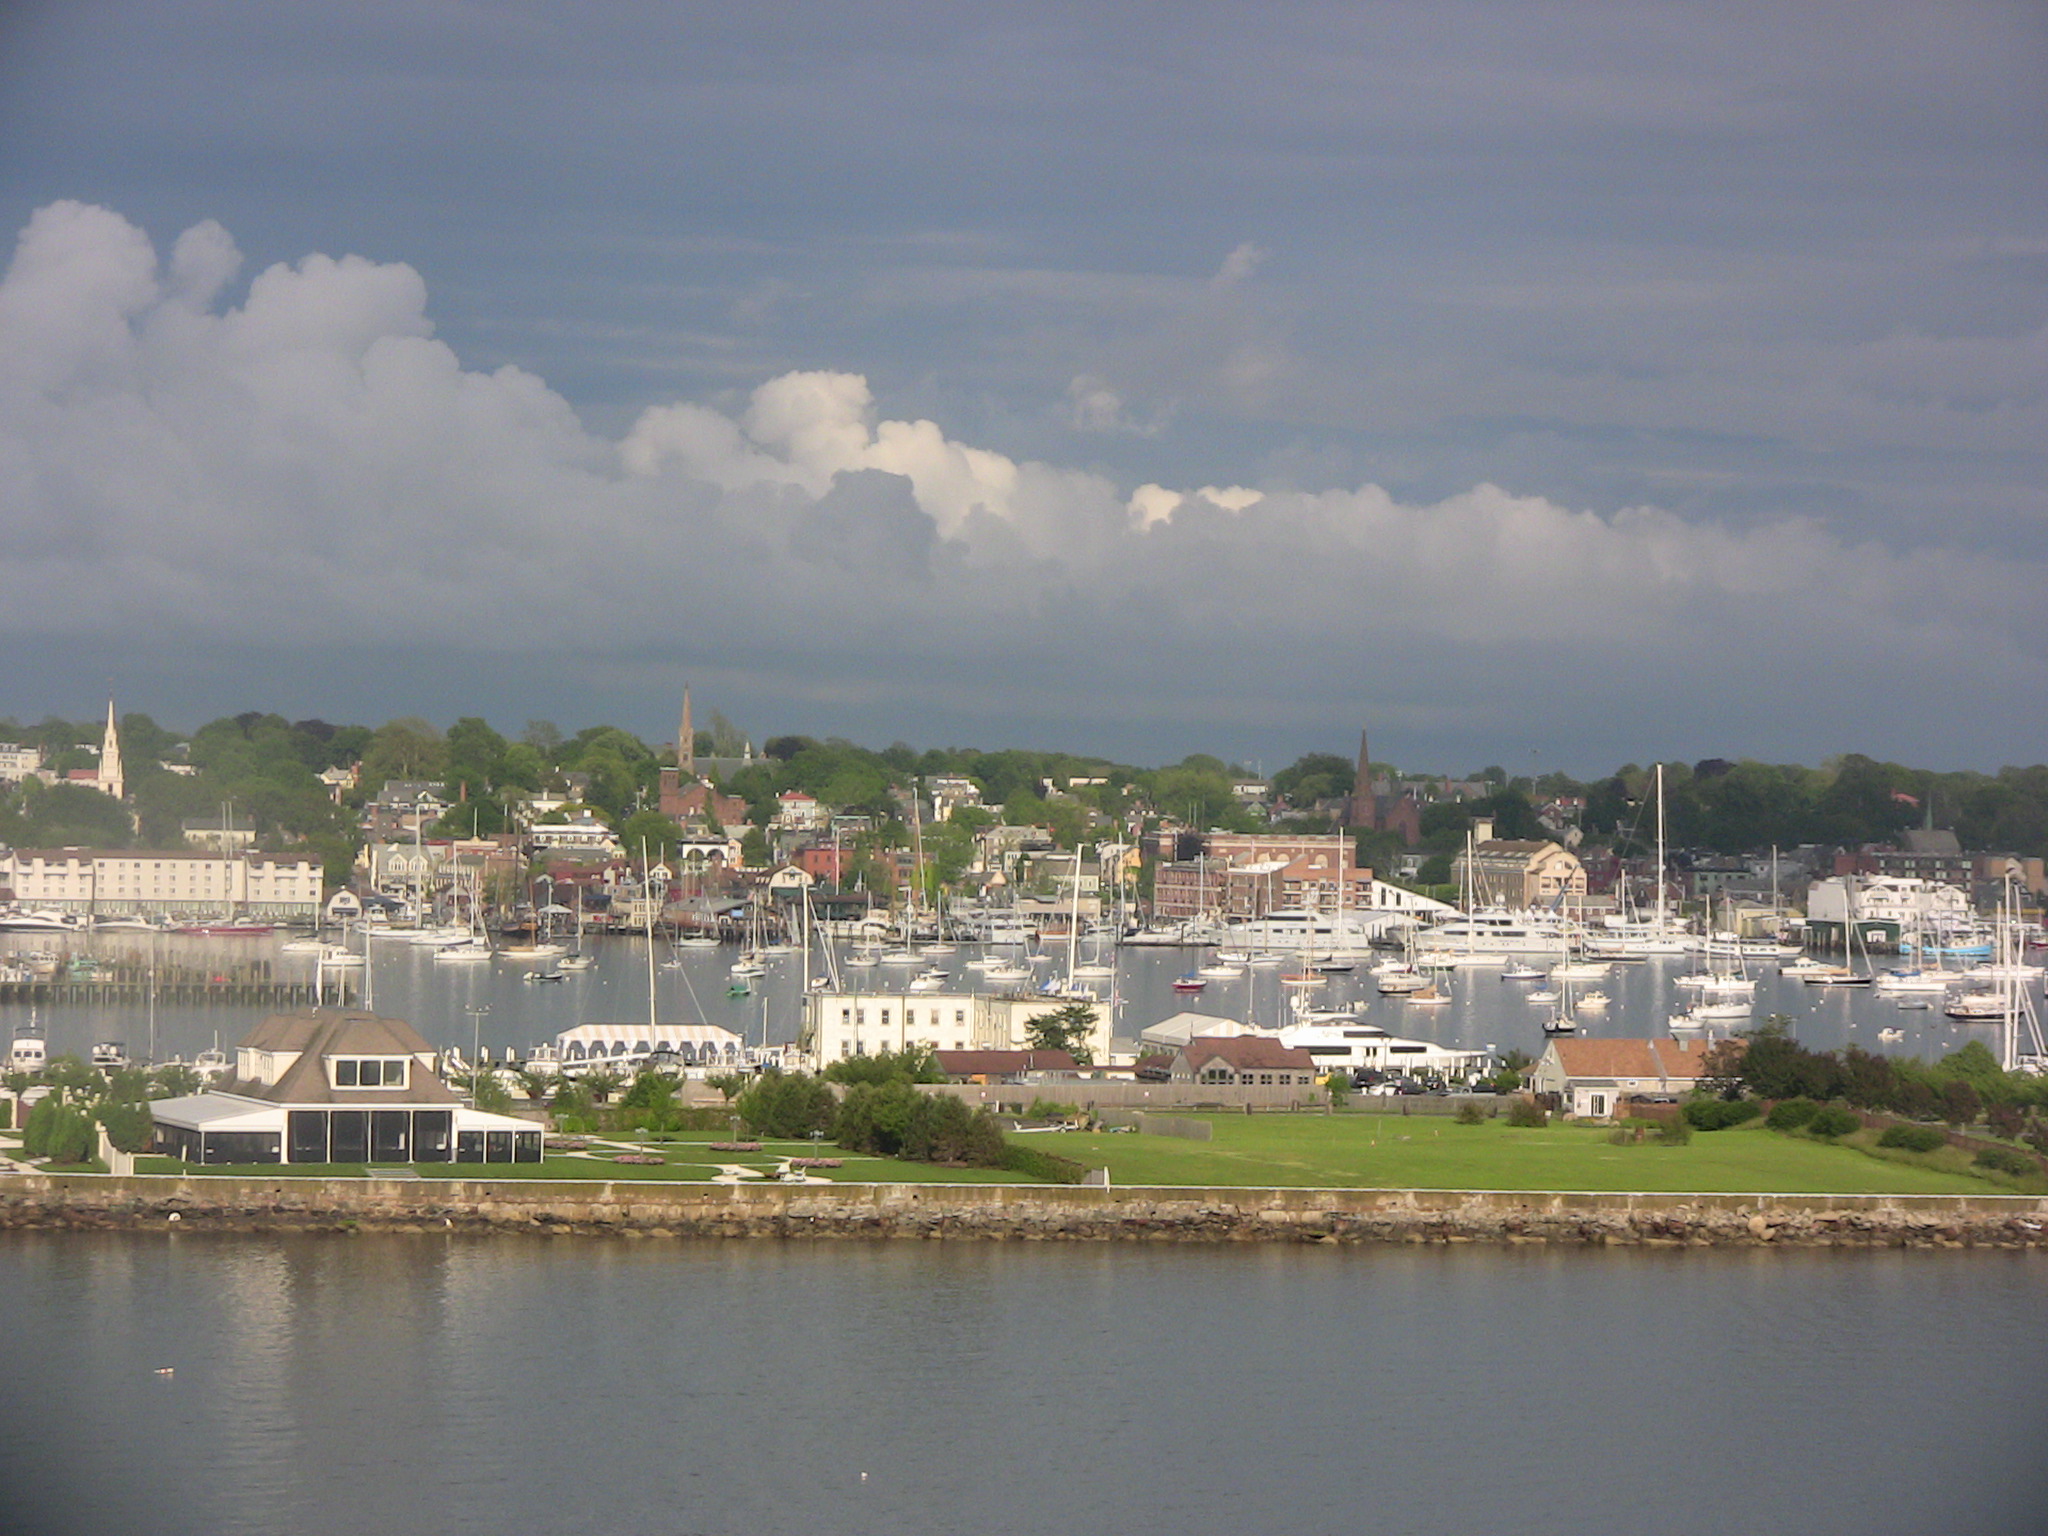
x,y
337,1085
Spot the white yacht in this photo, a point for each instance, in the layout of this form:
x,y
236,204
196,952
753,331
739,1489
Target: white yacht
x,y
1342,1041
1295,930
1493,933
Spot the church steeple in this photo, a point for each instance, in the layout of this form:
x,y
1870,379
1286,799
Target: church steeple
x,y
110,757
1364,804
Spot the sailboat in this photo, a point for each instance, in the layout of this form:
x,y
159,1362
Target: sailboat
x,y
1839,975
1632,940
227,925
1078,973
577,959
1562,1020
543,947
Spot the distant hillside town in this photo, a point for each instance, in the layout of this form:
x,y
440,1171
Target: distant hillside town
x,y
269,819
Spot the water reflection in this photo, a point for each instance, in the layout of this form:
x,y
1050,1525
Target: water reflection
x,y
338,1384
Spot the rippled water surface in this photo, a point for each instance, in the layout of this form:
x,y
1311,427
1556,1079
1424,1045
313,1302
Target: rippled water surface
x,y
424,1384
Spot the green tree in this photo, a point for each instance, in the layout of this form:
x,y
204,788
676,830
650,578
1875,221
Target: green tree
x,y
1316,776
914,1064
788,1105
404,749
658,833
1068,1028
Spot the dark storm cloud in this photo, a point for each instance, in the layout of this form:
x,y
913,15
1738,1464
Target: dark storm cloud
x,y
312,470
923,329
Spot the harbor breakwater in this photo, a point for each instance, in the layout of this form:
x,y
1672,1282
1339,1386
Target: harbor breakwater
x,y
1017,1213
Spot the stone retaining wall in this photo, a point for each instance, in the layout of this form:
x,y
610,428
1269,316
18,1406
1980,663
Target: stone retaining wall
x,y
1007,1213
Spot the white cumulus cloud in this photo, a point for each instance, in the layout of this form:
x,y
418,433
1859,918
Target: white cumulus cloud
x,y
307,465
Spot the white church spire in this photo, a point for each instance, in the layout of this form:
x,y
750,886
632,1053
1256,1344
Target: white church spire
x,y
110,757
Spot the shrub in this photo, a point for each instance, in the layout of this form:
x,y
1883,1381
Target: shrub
x,y
2005,1119
129,1126
2006,1160
895,1120
1052,1109
1719,1114
649,1090
788,1104
914,1064
1675,1132
1791,1114
1470,1114
1037,1163
1527,1114
1832,1121
1914,1138
59,1132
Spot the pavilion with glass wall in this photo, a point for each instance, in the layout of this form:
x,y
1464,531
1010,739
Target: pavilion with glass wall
x,y
337,1085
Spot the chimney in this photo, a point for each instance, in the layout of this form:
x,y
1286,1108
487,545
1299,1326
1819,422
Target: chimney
x,y
1482,829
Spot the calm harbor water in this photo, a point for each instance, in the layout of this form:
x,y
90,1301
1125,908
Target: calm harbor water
x,y
454,1004
423,1384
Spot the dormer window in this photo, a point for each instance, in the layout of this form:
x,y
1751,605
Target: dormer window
x,y
368,1071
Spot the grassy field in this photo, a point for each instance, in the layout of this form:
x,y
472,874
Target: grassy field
x,y
688,1160
1347,1151
1368,1151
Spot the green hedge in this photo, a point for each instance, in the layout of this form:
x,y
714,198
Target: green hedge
x,y
1527,1114
1791,1114
1832,1121
2006,1160
60,1132
1914,1138
1719,1114
1037,1163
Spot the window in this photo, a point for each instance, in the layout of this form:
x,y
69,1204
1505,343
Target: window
x,y
369,1072
390,1135
306,1134
351,1136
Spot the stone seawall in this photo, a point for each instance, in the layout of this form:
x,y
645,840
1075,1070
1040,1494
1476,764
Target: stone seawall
x,y
1013,1213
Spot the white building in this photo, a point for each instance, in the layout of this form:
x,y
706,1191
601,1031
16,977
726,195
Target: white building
x,y
843,1024
1335,1042
1589,1078
137,883
335,1085
581,835
18,762
1892,904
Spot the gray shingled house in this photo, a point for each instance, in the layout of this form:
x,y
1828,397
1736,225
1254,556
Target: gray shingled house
x,y
337,1085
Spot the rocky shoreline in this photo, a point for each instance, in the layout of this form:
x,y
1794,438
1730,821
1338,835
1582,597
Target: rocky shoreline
x,y
1018,1214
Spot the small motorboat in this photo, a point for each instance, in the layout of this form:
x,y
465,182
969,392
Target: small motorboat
x,y
1189,984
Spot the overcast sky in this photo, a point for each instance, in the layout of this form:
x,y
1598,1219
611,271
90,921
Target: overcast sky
x,y
1542,384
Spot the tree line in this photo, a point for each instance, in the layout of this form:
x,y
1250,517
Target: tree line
x,y
269,769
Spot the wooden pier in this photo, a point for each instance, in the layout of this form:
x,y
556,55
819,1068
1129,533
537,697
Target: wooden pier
x,y
250,982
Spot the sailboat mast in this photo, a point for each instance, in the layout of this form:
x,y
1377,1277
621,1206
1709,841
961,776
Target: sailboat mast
x,y
647,913
1074,920
1660,850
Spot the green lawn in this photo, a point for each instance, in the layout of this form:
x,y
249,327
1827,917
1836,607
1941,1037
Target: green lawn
x,y
687,1160
1371,1151
1354,1150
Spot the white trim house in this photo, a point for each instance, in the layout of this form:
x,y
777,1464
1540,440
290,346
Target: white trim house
x,y
337,1085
